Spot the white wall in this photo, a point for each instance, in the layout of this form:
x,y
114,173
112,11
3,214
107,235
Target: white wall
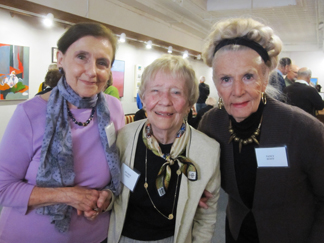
x,y
28,31
111,13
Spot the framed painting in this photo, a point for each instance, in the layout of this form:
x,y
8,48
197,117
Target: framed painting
x,y
314,81
54,54
118,73
14,72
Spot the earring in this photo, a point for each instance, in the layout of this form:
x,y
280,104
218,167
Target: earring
x,y
264,98
61,70
220,103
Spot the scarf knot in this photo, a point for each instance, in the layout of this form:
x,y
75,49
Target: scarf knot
x,y
186,166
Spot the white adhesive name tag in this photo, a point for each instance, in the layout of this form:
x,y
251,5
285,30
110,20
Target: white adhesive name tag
x,y
129,177
271,157
110,133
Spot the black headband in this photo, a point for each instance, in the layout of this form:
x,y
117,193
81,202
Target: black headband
x,y
244,42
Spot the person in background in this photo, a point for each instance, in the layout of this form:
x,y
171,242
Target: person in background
x,y
139,102
210,102
318,87
42,86
203,94
302,95
140,114
51,79
176,163
110,89
276,78
271,153
59,171
291,75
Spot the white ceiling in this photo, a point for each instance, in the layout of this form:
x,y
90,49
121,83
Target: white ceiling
x,y
294,21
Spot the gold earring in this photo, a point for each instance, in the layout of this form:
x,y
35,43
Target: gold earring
x,y
264,98
220,103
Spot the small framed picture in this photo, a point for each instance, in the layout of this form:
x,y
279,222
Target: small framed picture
x,y
54,54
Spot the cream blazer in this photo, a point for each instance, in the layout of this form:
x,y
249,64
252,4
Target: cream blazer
x,y
193,224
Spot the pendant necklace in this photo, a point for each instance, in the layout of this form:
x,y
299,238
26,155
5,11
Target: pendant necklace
x,y
241,141
171,215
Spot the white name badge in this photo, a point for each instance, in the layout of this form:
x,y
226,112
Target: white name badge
x,y
271,157
110,133
129,177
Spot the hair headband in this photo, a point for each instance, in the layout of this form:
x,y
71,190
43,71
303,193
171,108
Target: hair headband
x,y
244,42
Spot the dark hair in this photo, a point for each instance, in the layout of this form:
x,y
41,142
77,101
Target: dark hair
x,y
318,87
285,61
52,77
80,30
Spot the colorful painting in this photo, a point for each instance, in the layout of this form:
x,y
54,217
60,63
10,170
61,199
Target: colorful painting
x,y
118,73
14,72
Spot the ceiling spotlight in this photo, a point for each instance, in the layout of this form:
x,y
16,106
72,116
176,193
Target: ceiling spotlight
x,y
185,54
170,49
198,57
48,20
122,37
149,44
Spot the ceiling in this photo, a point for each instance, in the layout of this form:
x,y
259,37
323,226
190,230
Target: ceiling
x,y
296,22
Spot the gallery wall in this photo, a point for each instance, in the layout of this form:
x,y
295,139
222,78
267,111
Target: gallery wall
x,y
29,31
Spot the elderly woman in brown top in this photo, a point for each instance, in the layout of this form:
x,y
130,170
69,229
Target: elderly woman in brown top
x,y
271,153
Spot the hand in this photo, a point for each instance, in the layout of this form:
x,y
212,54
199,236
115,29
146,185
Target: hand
x,y
204,198
104,200
102,204
81,198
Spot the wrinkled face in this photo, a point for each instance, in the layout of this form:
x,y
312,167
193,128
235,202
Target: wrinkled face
x,y
87,64
239,81
166,102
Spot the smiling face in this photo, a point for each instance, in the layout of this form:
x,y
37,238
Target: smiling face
x,y
87,64
166,102
239,79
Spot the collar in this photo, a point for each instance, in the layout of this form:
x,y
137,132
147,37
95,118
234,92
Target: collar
x,y
301,81
279,72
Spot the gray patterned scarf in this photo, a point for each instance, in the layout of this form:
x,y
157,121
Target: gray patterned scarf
x,y
56,167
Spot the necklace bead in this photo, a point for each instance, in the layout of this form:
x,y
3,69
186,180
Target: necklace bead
x,y
251,139
81,124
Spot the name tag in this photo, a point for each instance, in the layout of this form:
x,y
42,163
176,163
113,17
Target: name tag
x,y
129,177
271,157
110,133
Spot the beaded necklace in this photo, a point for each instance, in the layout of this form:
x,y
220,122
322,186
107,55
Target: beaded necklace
x,y
82,124
251,139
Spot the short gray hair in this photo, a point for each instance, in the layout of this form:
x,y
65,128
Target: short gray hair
x,y
177,67
304,72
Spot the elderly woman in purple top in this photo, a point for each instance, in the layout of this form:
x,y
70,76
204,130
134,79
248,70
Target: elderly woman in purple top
x,y
59,171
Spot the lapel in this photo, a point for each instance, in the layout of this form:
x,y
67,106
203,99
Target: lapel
x,y
130,150
182,202
275,132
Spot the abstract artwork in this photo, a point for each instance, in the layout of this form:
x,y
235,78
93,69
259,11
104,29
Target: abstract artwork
x,y
14,72
118,73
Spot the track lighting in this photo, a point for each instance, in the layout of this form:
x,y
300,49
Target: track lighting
x,y
48,20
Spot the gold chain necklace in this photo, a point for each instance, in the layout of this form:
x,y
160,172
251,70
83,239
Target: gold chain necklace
x,y
241,141
171,216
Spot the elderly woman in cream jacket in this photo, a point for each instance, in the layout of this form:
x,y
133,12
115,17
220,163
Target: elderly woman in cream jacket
x,y
174,163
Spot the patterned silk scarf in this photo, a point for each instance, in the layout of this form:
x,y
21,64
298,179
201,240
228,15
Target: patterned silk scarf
x,y
186,166
56,167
